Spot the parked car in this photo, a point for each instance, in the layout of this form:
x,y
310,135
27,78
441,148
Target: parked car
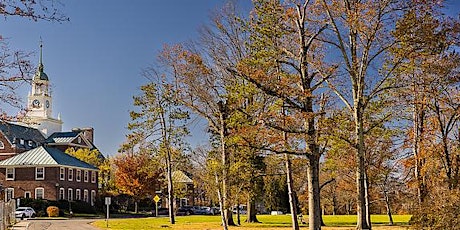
x,y
185,210
23,212
161,212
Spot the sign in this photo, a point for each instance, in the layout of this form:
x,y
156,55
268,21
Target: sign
x,y
156,199
107,201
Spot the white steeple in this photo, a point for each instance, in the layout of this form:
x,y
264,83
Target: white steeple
x,y
39,105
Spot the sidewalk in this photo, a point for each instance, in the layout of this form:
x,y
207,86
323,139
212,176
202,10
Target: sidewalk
x,y
21,225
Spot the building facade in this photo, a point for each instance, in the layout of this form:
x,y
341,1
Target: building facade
x,y
33,162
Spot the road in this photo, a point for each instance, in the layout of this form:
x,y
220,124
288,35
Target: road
x,y
73,224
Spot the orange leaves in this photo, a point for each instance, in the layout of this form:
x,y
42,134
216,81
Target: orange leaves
x,y
136,175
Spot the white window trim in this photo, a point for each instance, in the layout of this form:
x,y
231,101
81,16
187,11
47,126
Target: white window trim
x,y
43,192
14,174
36,173
77,177
2,146
86,175
6,193
70,175
77,194
27,192
63,194
93,197
93,177
62,173
70,194
85,195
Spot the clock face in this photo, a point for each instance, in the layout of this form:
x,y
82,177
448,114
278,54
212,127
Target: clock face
x,y
36,103
47,103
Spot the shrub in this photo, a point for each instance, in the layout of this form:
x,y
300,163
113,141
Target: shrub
x,y
52,211
440,211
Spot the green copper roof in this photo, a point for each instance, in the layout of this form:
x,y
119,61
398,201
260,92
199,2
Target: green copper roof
x,y
44,156
40,75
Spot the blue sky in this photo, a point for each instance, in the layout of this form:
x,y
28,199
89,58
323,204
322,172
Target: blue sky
x,y
95,60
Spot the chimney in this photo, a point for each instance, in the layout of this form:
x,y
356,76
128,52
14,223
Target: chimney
x,y
88,133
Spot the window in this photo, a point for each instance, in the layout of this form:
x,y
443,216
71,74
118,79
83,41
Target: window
x,y
85,195
2,146
70,174
61,194
21,141
93,177
93,197
85,176
70,194
77,194
9,194
27,194
9,173
78,176
79,140
62,173
30,143
39,193
39,173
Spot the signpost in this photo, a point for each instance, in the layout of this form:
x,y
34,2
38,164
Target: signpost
x,y
107,202
156,199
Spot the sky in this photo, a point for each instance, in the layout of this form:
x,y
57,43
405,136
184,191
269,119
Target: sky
x,y
94,62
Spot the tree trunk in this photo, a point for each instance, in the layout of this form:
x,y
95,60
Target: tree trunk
x,y
252,212
170,188
292,200
387,204
361,180
314,201
221,204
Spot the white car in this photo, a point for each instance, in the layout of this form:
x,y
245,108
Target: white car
x,y
23,212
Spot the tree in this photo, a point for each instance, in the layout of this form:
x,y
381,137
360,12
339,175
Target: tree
x,y
360,32
284,63
137,174
94,157
161,121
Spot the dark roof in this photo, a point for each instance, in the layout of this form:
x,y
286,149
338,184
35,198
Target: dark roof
x,y
60,137
14,132
45,156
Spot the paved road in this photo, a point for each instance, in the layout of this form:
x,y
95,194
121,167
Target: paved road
x,y
73,224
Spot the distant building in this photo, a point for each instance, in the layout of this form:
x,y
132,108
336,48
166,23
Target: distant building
x,y
32,152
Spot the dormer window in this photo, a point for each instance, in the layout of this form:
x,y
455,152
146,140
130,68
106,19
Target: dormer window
x,y
21,141
31,143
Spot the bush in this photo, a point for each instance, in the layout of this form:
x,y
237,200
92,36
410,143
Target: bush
x,y
52,211
440,211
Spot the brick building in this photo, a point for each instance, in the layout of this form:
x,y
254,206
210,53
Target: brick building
x,y
32,152
48,173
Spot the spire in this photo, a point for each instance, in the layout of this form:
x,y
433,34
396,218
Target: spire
x,y
40,75
40,64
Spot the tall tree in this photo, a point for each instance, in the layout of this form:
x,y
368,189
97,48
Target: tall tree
x,y
284,63
360,32
161,121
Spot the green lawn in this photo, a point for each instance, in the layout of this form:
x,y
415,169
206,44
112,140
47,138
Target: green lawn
x,y
268,222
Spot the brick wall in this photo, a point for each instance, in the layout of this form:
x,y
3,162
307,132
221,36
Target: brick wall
x,y
25,181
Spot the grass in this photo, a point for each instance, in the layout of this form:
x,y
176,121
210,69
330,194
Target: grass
x,y
268,222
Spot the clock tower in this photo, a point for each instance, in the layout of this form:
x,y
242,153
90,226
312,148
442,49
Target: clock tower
x,y
39,103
